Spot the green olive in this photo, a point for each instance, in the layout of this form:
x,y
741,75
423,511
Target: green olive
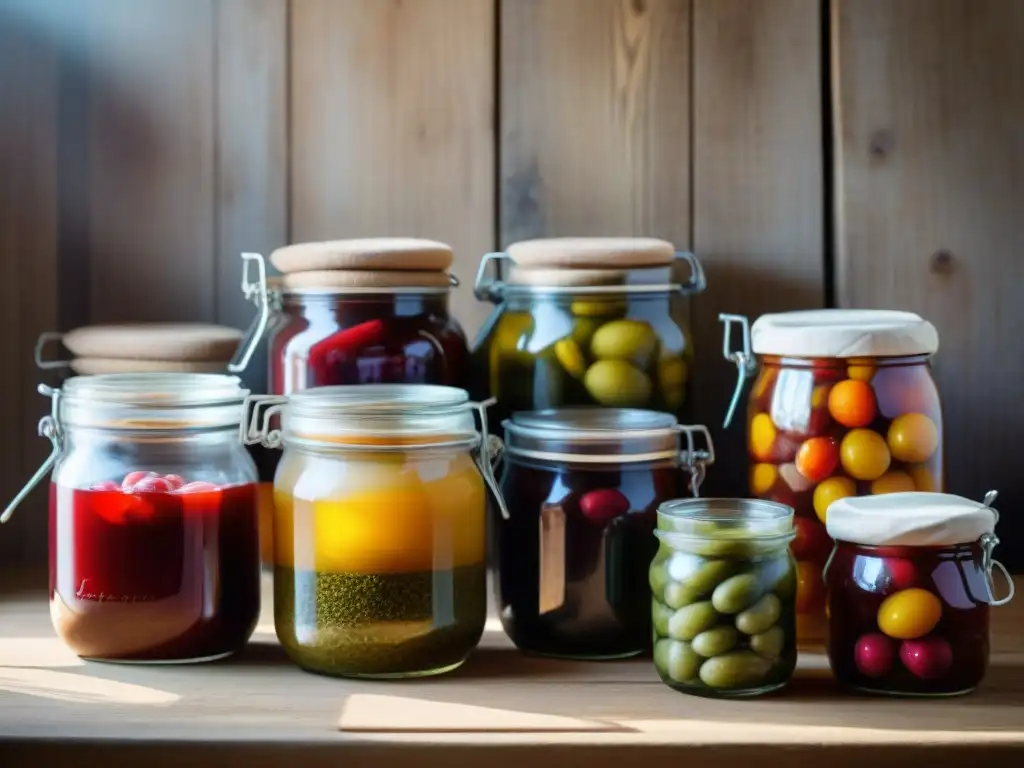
x,y
713,642
583,330
769,644
736,593
606,307
658,577
738,669
761,616
676,660
624,340
660,614
618,384
690,620
569,354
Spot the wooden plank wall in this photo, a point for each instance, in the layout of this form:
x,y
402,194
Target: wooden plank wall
x,y
145,143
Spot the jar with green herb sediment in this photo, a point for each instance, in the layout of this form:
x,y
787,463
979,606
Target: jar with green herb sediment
x,y
379,533
586,322
724,591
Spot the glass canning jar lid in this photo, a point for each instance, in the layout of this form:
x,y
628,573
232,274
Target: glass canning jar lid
x,y
377,418
918,519
747,520
137,405
607,436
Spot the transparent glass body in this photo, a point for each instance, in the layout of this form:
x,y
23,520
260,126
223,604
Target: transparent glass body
x,y
379,567
572,558
723,586
908,620
623,350
823,429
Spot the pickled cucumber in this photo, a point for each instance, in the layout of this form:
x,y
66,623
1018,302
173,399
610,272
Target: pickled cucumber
x,y
658,577
713,642
676,660
737,669
617,383
761,616
708,576
737,593
690,620
660,614
769,644
631,340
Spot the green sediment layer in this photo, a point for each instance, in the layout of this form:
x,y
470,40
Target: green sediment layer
x,y
379,624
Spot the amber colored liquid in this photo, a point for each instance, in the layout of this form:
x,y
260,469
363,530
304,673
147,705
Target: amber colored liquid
x,y
154,576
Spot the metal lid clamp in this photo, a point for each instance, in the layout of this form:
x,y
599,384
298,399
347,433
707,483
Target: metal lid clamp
x,y
743,358
257,293
41,343
693,460
49,427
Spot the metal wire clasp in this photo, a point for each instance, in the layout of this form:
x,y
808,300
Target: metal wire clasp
x,y
989,542
696,461
41,343
697,282
743,358
257,431
490,449
49,427
257,293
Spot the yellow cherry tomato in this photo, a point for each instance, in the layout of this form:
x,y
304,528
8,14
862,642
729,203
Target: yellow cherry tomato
x,y
762,478
864,454
909,614
829,490
893,481
923,478
913,438
861,369
762,436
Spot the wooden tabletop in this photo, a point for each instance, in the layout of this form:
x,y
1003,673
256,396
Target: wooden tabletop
x,y
501,708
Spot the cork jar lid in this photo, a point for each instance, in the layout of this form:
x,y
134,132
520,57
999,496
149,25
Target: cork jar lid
x,y
341,279
373,254
163,342
599,253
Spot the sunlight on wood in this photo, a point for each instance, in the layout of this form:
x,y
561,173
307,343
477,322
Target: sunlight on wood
x,y
36,652
79,689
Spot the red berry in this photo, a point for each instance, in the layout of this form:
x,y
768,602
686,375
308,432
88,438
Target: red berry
x,y
928,658
901,574
106,485
602,505
874,654
132,478
176,481
153,485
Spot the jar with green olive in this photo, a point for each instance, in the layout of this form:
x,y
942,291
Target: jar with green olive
x,y
723,596
586,322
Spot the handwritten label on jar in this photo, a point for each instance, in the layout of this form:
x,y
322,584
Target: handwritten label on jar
x,y
85,592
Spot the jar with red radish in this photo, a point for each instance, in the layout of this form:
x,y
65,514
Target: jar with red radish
x,y
154,537
371,311
582,487
843,404
910,584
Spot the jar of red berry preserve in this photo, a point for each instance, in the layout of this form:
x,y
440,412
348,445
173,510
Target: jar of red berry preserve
x,y
154,546
582,487
843,404
909,590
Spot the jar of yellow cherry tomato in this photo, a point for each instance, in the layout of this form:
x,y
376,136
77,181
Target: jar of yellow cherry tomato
x,y
910,583
843,404
379,529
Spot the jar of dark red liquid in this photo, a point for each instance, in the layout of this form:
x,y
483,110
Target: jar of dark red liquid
x,y
843,404
372,311
582,487
154,548
909,590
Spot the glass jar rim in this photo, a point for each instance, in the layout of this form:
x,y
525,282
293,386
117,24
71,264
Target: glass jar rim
x,y
735,519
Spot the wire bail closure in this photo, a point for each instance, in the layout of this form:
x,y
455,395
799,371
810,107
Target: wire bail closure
x,y
696,461
257,293
49,427
41,343
743,359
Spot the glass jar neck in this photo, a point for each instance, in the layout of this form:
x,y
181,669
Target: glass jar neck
x,y
841,363
79,437
524,299
327,304
971,550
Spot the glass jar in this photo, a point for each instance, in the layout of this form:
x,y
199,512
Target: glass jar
x,y
844,404
586,322
379,529
154,552
724,596
582,486
909,589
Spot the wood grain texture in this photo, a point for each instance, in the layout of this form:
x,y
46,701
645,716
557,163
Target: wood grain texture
x,y
392,113
929,101
152,159
758,163
595,119
28,252
252,152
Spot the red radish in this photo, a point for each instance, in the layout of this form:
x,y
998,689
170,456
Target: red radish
x,y
874,654
602,505
132,478
928,658
176,481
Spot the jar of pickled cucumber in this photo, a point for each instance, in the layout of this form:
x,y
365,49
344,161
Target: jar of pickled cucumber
x,y
724,596
379,528
582,486
586,321
843,404
910,583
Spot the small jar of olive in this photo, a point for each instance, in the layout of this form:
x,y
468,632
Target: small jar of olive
x,y
586,322
724,596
